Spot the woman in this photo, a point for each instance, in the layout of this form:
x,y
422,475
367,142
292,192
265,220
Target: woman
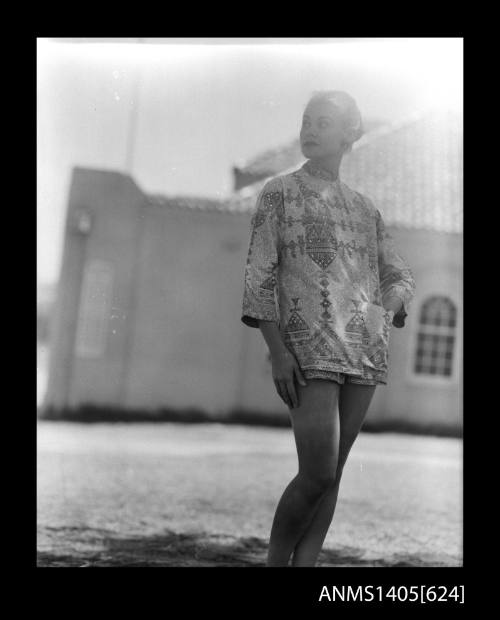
x,y
324,284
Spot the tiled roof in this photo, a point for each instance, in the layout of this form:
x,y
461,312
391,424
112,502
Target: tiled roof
x,y
268,164
198,203
411,170
274,161
187,202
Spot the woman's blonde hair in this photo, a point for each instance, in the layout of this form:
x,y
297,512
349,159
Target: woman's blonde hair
x,y
348,108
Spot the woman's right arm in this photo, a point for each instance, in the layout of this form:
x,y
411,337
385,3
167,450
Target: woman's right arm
x,y
285,368
260,307
261,270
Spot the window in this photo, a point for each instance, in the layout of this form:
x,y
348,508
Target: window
x,y
436,337
94,309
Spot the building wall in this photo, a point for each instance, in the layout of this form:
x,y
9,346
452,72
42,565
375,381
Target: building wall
x,y
436,262
111,202
186,340
173,335
170,285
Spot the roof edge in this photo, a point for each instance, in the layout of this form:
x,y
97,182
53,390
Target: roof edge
x,y
365,140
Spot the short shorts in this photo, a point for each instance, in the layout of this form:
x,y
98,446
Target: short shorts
x,y
340,377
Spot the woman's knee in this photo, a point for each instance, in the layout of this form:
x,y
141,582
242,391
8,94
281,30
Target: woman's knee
x,y
318,483
345,446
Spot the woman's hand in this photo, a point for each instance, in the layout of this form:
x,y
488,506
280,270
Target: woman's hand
x,y
285,371
393,303
396,306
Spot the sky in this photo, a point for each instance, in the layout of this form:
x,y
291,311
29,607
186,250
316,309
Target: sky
x,y
178,114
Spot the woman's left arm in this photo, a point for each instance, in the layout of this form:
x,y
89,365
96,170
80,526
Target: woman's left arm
x,y
396,280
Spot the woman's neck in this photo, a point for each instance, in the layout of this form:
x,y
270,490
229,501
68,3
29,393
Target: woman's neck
x,y
330,164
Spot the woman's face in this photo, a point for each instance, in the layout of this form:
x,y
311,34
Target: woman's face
x,y
322,133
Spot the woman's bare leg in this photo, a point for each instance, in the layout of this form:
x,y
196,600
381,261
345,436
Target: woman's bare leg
x,y
316,430
354,401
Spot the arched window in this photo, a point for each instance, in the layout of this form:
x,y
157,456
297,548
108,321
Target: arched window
x,y
436,337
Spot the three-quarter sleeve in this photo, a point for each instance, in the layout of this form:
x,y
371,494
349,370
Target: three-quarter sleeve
x,y
260,298
396,279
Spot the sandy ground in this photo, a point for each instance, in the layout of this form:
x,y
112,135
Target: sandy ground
x,y
204,495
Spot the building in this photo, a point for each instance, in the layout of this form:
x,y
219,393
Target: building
x,y
149,299
44,309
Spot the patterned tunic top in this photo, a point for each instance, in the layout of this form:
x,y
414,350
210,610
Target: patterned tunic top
x,y
321,263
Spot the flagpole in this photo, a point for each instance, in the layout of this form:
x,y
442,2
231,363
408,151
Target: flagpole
x,y
132,128
130,331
